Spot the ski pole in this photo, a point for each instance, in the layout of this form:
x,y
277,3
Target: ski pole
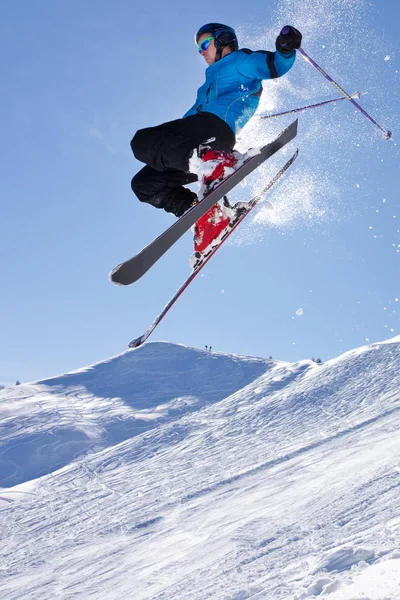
x,y
356,95
386,133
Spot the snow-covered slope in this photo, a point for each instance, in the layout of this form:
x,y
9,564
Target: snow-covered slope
x,y
173,473
47,424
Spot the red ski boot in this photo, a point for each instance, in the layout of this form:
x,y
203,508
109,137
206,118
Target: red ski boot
x,y
211,228
216,164
208,227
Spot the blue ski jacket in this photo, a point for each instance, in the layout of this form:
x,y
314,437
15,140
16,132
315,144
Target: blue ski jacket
x,y
233,87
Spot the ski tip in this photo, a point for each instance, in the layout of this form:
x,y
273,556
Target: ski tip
x,y
136,343
118,277
113,277
387,135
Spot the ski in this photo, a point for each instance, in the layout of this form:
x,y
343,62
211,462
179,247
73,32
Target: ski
x,y
201,263
133,269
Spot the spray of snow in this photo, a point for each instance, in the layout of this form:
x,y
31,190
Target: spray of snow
x,y
332,139
298,203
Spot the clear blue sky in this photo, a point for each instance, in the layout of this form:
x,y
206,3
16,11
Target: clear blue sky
x,y
79,78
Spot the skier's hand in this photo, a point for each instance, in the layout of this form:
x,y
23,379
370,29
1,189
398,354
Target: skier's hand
x,y
288,40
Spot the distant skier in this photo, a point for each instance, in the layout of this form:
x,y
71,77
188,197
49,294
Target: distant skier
x,y
224,104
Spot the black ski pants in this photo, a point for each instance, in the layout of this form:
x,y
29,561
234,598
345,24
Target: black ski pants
x,y
166,150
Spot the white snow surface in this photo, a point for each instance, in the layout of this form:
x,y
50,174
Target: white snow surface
x,y
173,473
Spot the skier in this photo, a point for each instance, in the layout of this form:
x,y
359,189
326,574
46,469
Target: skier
x,y
224,104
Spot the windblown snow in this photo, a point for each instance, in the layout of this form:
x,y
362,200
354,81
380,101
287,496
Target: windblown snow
x,y
173,473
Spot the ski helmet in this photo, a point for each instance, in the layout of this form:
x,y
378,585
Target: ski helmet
x,y
223,36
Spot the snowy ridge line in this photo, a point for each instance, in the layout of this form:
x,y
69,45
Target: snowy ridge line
x,y
366,348
82,419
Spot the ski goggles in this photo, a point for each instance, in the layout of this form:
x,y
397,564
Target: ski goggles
x,y
205,43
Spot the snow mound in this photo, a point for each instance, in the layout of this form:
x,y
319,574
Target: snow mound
x,y
233,478
47,424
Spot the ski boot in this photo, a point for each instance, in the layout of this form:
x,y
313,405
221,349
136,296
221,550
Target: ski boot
x,y
213,227
216,165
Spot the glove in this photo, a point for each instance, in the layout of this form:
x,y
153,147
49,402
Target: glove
x,y
288,40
